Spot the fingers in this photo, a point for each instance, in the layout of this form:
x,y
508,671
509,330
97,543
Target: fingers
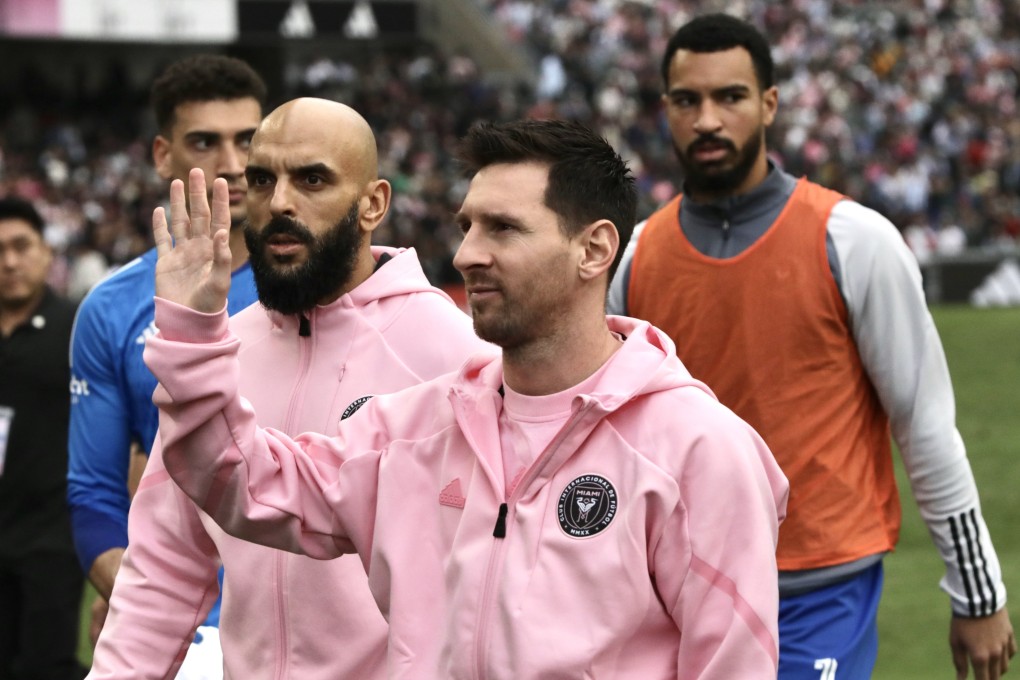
x,y
191,216
996,663
221,251
206,220
198,201
180,225
1007,653
987,667
220,205
960,662
160,232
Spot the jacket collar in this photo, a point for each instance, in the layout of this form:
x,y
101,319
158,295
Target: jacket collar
x,y
770,194
401,274
646,363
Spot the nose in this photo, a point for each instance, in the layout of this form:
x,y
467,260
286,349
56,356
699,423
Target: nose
x,y
472,251
281,202
231,162
708,118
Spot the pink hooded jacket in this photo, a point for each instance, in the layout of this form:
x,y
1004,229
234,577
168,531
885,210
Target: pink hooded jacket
x,y
283,615
640,544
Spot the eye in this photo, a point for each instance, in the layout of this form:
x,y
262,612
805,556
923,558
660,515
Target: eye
x,y
314,180
244,142
18,246
683,100
259,179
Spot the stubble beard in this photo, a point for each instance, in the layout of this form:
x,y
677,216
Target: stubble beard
x,y
499,326
516,320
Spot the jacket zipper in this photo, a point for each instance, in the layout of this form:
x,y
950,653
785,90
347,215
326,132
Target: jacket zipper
x,y
500,530
503,519
283,658
725,238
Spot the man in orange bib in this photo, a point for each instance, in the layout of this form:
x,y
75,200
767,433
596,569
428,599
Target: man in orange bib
x,y
804,312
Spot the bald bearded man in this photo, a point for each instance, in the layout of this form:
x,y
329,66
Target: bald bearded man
x,y
338,321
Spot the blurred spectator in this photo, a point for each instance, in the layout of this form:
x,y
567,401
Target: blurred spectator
x,y
896,105
909,108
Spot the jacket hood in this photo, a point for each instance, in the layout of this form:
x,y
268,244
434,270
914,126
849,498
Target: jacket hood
x,y
401,274
646,363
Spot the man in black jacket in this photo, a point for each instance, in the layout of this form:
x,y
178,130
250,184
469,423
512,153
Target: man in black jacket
x,y
40,580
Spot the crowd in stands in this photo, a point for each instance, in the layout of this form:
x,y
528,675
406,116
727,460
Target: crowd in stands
x,y
909,107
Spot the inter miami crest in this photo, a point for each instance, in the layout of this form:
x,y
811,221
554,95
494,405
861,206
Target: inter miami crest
x,y
587,506
355,405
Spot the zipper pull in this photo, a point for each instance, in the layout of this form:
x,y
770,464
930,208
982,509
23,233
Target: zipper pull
x,y
500,530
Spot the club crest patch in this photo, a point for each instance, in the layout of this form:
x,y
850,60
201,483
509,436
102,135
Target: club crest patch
x,y
355,405
587,506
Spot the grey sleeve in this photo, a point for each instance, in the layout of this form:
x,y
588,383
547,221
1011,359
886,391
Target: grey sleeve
x,y
902,353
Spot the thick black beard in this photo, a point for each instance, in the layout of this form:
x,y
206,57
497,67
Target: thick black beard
x,y
329,267
724,182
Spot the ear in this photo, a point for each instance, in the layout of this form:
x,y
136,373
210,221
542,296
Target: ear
x,y
600,241
162,156
769,103
374,204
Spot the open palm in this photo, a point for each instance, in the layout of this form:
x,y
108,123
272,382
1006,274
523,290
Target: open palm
x,y
193,265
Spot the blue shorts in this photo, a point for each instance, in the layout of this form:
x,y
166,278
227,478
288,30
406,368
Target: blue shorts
x,y
831,633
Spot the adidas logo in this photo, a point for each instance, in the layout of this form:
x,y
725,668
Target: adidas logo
x,y
361,23
298,22
1001,288
452,495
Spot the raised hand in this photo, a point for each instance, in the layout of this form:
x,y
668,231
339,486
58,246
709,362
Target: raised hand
x,y
193,268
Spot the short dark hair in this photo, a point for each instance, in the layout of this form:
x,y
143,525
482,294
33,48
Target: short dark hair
x,y
717,33
588,181
15,208
202,78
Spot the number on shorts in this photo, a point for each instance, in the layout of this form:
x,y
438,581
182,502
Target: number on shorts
x,y
827,667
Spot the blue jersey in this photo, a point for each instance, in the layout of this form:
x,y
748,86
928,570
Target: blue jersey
x,y
111,398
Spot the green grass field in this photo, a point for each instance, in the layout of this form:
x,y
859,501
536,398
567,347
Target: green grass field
x,y
983,350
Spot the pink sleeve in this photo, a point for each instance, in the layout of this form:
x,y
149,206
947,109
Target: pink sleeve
x,y
258,484
715,562
165,587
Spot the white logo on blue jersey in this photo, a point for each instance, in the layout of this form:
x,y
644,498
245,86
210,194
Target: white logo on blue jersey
x,y
79,387
149,331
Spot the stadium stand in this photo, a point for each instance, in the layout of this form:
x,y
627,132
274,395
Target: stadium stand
x,y
909,107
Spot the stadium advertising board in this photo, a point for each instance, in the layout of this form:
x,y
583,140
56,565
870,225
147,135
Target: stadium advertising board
x,y
170,21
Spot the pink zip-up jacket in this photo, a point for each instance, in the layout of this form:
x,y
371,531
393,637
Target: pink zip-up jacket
x,y
283,615
640,544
